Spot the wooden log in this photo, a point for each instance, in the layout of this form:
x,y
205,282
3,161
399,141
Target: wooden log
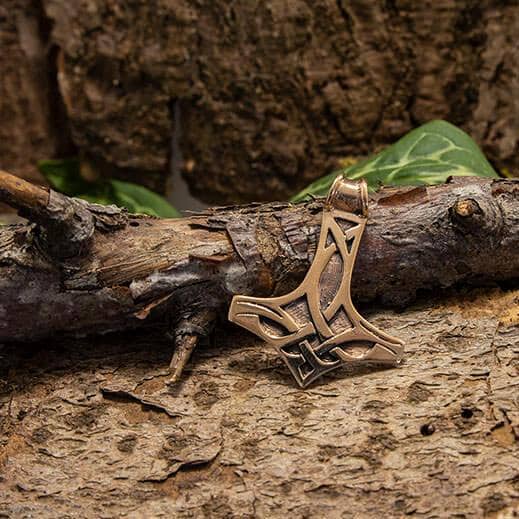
x,y
138,269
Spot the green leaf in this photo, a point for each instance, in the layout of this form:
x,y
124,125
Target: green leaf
x,y
425,156
139,199
64,175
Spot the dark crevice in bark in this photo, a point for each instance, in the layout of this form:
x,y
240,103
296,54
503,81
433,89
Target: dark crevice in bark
x,y
65,146
462,92
177,188
58,118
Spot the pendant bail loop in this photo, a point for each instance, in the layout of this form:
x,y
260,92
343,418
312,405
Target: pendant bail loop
x,y
350,196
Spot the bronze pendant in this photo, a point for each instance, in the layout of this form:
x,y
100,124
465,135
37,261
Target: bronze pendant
x,y
315,328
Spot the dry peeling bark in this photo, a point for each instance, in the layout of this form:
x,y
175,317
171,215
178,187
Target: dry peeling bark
x,y
89,428
256,98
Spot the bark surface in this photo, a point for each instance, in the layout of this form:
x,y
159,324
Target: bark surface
x,y
90,428
252,99
32,119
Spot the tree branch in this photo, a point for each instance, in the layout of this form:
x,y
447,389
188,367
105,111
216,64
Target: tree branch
x,y
125,271
66,223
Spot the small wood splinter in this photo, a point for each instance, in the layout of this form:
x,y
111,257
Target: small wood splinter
x,y
188,333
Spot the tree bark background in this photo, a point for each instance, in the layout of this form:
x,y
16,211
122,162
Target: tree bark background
x,y
33,123
256,98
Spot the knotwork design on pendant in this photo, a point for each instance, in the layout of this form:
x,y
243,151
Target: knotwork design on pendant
x,y
315,328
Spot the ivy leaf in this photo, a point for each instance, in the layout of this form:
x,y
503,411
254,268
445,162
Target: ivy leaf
x,y
64,175
425,156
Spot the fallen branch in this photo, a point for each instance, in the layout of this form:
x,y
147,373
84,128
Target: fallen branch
x,y
81,268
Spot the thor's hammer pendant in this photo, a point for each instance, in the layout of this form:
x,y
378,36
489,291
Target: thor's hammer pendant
x,y
315,328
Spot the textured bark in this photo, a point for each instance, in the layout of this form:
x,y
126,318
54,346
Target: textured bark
x,y
89,429
268,95
128,270
32,124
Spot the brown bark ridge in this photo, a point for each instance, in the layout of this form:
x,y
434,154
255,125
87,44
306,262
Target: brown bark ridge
x,y
83,268
261,97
